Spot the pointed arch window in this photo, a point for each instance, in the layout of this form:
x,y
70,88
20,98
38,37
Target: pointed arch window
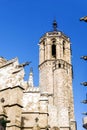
x,y
54,50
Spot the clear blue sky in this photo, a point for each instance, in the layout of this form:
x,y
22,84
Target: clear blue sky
x,y
23,22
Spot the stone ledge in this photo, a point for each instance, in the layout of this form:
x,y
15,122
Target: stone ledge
x,y
14,105
3,115
35,113
12,88
14,126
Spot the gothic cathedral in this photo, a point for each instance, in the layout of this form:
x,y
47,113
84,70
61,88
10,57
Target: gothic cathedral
x,y
49,106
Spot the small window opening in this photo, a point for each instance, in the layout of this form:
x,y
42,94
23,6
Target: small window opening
x,y
54,50
59,65
44,43
54,41
63,47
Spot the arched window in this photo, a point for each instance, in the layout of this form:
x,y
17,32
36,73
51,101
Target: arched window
x,y
54,50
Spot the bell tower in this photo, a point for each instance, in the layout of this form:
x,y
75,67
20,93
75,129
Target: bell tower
x,y
54,50
55,72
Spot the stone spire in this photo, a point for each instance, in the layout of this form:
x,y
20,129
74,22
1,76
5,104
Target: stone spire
x,y
30,81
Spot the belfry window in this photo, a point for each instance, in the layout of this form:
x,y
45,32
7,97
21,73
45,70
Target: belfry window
x,y
54,50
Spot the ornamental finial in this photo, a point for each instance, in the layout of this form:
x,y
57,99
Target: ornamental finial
x,y
54,25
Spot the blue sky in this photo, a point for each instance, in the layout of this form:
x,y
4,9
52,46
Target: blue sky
x,y
23,22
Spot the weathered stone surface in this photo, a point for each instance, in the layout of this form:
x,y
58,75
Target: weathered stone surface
x,y
49,106
56,70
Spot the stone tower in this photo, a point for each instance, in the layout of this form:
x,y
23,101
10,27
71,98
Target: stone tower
x,y
48,106
56,78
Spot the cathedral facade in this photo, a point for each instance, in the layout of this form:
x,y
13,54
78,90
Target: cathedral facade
x,y
49,106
